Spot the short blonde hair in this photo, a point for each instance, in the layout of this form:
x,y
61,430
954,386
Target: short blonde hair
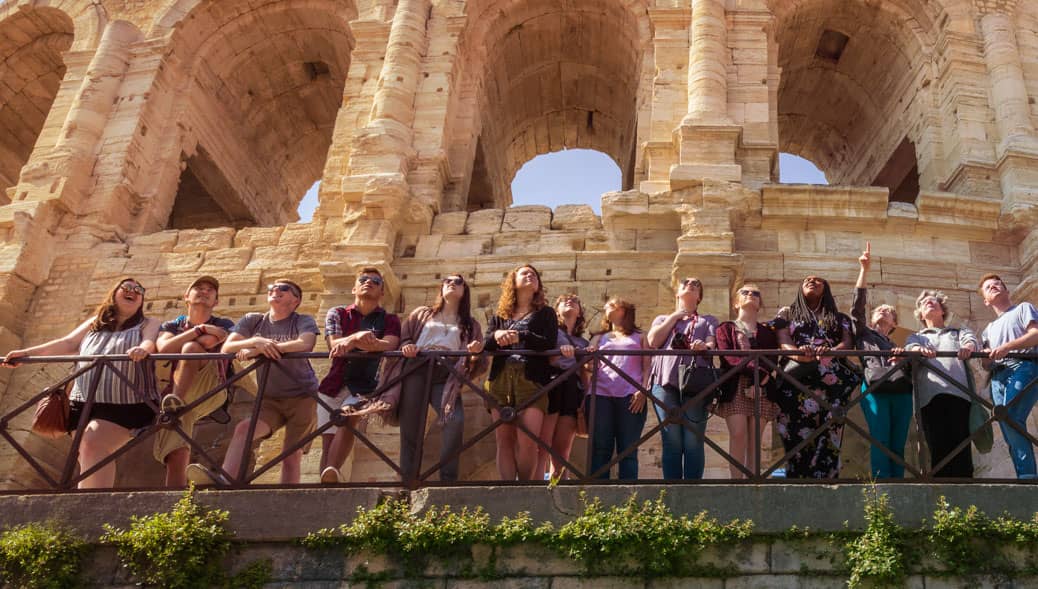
x,y
942,299
890,308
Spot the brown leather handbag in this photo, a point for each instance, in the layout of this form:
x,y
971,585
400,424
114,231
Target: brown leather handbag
x,y
52,413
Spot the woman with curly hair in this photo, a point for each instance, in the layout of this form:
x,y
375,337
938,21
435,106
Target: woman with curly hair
x,y
565,400
619,407
117,327
813,325
524,321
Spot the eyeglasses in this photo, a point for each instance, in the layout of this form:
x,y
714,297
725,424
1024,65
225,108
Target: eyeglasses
x,y
749,293
691,282
282,287
570,300
376,280
455,280
134,288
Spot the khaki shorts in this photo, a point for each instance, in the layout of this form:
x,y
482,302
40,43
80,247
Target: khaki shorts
x,y
512,389
168,440
296,414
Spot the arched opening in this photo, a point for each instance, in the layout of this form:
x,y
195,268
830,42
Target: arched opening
x,y
794,169
266,84
853,89
573,176
31,69
555,76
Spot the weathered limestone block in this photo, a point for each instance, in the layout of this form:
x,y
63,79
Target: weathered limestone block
x,y
526,218
517,243
463,246
484,221
272,256
575,217
656,239
142,264
201,240
163,241
428,246
803,200
173,264
450,223
257,236
955,209
228,260
631,202
298,234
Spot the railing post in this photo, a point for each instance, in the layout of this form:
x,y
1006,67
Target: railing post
x,y
246,452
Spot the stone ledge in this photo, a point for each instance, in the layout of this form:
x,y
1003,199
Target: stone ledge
x,y
292,513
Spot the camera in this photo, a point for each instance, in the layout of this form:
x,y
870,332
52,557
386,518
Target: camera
x,y
679,341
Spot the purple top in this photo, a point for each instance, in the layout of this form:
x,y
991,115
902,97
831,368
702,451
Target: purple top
x,y
610,383
665,368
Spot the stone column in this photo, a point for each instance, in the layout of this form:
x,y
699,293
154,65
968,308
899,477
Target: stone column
x,y
1008,90
706,139
707,78
93,103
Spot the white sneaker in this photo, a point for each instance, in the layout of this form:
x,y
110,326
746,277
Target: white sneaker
x,y
171,404
330,476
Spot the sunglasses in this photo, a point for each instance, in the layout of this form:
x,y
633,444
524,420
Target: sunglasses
x,y
455,280
281,287
377,281
135,288
749,293
691,282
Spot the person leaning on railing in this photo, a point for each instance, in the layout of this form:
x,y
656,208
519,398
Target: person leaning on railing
x,y
738,403
887,407
566,400
446,326
523,321
351,383
117,327
197,332
288,398
683,456
1014,330
619,410
944,408
813,325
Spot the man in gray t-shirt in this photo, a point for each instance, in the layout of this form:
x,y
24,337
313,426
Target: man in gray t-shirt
x,y
289,399
1014,330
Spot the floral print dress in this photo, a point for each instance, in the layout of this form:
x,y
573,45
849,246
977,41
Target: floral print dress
x,y
801,414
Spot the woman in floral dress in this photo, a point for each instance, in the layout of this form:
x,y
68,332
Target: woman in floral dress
x,y
813,325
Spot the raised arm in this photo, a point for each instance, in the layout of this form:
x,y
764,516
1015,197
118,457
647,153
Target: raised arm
x,y
659,332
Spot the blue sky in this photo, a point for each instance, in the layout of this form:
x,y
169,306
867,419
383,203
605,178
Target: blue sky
x,y
581,176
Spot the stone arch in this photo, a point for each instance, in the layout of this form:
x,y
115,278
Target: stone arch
x,y
258,94
32,66
88,18
545,76
855,85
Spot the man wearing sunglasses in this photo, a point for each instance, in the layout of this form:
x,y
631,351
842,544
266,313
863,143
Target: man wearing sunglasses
x,y
288,399
363,326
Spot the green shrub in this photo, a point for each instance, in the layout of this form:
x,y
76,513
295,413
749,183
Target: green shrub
x,y
181,549
878,554
648,536
40,556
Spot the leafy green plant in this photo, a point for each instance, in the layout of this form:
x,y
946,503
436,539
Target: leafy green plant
x,y
646,535
877,556
41,556
181,549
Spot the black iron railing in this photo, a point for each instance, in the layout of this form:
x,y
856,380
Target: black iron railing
x,y
836,414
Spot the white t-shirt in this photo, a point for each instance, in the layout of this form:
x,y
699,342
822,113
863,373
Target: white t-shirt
x,y
1009,326
437,335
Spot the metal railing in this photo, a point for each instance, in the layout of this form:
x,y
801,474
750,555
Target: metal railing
x,y
836,414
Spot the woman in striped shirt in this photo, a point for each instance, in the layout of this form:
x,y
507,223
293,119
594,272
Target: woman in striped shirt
x,y
117,327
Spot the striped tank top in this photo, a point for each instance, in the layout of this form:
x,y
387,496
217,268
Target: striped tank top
x,y
111,388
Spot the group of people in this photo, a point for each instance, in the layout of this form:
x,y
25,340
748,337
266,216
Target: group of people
x,y
798,393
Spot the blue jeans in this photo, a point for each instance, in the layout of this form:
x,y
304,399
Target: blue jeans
x,y
888,416
1007,384
615,429
683,455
